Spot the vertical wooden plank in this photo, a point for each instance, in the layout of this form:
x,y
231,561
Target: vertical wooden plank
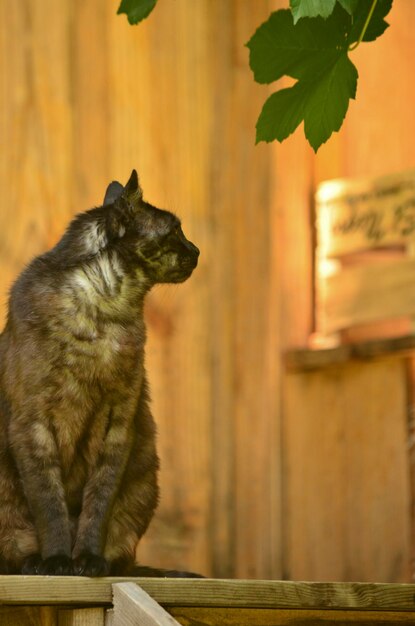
x,y
213,344
35,123
160,125
256,312
222,308
347,504
91,101
81,617
336,431
46,170
383,112
388,119
28,616
410,365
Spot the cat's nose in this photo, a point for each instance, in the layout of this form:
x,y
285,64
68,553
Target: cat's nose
x,y
193,249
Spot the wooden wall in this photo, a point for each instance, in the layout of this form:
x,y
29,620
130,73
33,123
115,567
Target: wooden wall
x,y
264,473
346,496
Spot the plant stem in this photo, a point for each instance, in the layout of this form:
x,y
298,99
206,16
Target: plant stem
x,y
366,24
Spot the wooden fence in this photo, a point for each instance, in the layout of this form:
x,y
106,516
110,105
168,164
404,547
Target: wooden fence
x,y
46,601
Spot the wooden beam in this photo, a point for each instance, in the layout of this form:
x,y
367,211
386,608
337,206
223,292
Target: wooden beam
x,y
312,359
132,605
189,616
210,592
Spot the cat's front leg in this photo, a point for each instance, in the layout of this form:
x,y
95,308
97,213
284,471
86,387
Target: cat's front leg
x,y
99,495
34,450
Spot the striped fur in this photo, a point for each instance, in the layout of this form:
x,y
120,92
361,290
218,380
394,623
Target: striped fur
x,y
78,460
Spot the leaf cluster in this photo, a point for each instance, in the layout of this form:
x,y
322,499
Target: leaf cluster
x,y
311,43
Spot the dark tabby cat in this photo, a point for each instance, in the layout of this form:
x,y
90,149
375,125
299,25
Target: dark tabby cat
x,y
78,461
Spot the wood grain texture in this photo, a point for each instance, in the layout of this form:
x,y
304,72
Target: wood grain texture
x,y
42,590
81,617
347,474
207,616
159,122
390,347
365,293
133,606
207,342
109,617
28,616
340,485
286,617
36,127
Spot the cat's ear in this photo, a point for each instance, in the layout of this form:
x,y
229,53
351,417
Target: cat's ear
x,y
132,190
114,191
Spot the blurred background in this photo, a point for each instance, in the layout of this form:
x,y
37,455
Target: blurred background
x,y
266,472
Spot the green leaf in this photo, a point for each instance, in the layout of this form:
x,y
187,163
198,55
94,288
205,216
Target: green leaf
x,y
279,47
322,103
281,114
349,5
328,101
311,8
136,10
313,50
377,24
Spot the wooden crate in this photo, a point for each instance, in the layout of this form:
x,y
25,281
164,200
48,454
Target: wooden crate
x,y
73,601
365,259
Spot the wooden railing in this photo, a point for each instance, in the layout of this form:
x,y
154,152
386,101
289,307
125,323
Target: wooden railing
x,y
73,601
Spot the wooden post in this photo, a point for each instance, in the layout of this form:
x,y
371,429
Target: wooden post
x,y
132,605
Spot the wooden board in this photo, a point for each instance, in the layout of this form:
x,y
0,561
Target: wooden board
x,y
311,359
346,473
365,293
354,215
132,605
375,140
29,616
147,131
81,617
17,590
291,617
192,616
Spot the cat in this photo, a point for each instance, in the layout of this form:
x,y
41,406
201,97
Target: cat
x,y
78,459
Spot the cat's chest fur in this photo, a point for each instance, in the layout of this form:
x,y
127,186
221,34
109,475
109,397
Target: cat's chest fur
x,y
100,323
91,362
101,363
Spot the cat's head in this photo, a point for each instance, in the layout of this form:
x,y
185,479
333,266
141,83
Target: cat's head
x,y
149,238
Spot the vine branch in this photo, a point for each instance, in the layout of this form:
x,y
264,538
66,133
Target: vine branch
x,y
365,25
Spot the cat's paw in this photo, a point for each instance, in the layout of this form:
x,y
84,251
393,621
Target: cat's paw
x,y
88,564
31,565
57,565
